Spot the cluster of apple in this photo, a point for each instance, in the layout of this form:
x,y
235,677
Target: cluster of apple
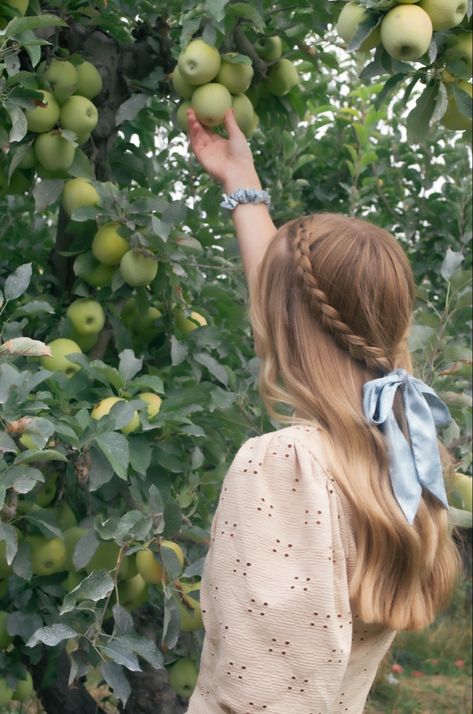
x,y
211,83
17,6
406,32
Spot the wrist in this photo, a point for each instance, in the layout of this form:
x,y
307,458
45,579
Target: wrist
x,y
242,179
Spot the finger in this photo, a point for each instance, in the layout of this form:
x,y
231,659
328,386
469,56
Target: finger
x,y
199,136
234,131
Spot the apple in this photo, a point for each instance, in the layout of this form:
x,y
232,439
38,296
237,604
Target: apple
x,y
85,342
26,441
181,116
282,76
460,52
44,494
79,115
445,14
71,536
48,556
6,693
20,5
108,246
170,545
24,689
104,407
62,77
181,87
86,315
143,325
73,580
187,324
78,192
199,63
453,118
45,115
183,677
235,76
106,557
65,516
210,102
190,610
89,80
5,638
133,592
462,493
244,114
350,18
58,362
87,267
54,152
153,401
406,32
269,48
138,269
149,567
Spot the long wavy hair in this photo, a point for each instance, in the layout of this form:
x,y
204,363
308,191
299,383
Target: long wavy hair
x,y
332,309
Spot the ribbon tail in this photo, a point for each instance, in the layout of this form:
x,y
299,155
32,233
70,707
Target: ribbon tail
x,y
402,470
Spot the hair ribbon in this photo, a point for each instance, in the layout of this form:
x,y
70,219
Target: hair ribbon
x,y
415,465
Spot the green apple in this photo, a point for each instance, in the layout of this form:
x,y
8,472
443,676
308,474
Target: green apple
x,y
44,116
79,192
282,76
183,677
108,246
71,537
461,493
180,86
244,113
445,14
24,689
453,118
26,441
106,557
181,116
28,160
149,567
58,362
133,592
66,517
199,63
235,76
5,638
104,407
62,77
54,152
138,269
175,547
406,32
85,342
153,401
143,325
210,102
20,5
269,48
6,693
87,267
460,51
48,556
89,80
79,115
350,18
44,494
86,315
187,324
190,610
73,580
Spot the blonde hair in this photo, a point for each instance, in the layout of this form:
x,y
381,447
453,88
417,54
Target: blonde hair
x,y
331,310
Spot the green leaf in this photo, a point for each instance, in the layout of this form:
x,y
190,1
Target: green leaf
x,y
145,648
22,478
9,536
129,365
34,307
213,366
246,11
22,24
131,108
47,192
17,283
18,120
115,447
120,652
40,457
95,587
24,347
115,678
52,635
464,101
451,263
418,120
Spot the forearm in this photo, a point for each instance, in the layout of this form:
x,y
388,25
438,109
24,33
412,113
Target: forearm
x,y
254,227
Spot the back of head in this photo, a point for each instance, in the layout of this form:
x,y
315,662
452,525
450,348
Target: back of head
x,y
332,310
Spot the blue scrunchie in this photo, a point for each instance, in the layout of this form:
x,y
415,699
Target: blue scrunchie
x,y
414,465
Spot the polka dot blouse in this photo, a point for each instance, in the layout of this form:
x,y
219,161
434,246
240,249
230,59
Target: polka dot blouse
x,y
281,636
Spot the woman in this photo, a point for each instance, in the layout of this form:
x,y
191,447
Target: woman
x,y
330,534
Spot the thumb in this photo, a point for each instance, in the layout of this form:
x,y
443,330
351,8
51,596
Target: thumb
x,y
234,131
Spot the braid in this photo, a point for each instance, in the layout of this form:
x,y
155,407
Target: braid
x,y
330,318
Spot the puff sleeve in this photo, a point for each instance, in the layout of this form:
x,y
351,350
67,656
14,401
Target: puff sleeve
x,y
274,596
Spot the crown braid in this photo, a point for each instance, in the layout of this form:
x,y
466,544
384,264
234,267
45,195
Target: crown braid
x,y
330,318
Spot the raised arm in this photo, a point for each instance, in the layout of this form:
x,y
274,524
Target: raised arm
x,y
230,162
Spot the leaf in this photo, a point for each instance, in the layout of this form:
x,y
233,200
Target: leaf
x,y
121,653
129,365
84,550
17,283
144,648
216,8
22,24
123,621
22,478
464,101
95,587
81,166
213,366
363,30
24,624
133,525
34,307
52,635
245,10
18,121
179,351
100,470
46,192
130,108
115,678
418,120
115,447
7,445
24,347
9,536
452,261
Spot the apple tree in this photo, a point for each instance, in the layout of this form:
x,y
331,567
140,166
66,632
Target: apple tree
x,y
127,375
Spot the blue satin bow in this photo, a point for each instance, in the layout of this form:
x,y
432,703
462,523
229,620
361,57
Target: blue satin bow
x,y
416,465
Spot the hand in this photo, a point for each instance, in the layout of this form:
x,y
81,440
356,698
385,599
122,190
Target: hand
x,y
230,160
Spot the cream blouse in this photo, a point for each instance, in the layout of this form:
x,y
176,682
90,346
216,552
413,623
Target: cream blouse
x,y
281,636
